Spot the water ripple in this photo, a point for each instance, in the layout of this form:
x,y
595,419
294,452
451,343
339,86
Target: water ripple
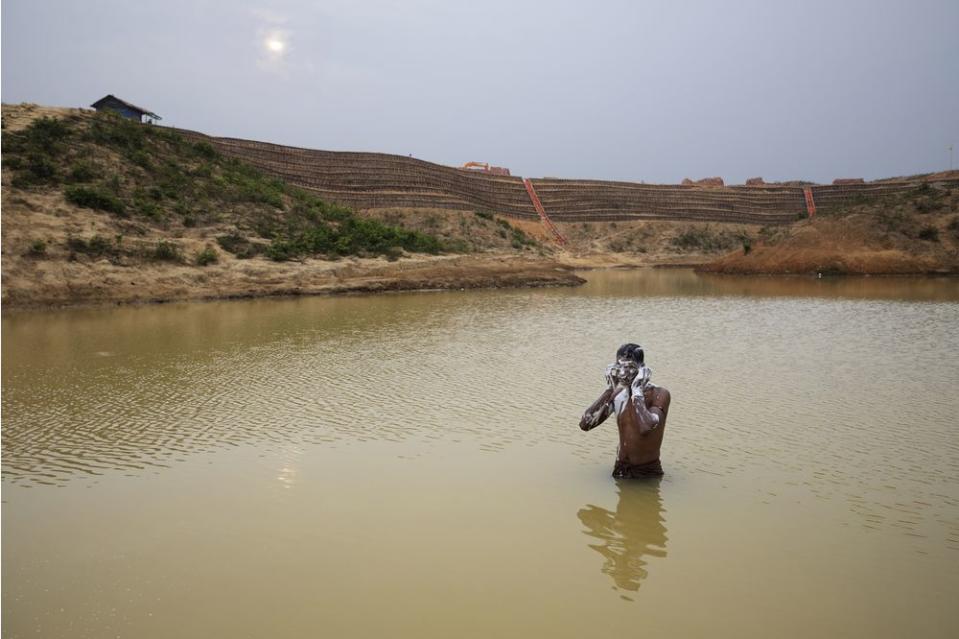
x,y
851,400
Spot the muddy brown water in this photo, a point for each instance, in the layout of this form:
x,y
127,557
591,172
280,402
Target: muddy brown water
x,y
410,465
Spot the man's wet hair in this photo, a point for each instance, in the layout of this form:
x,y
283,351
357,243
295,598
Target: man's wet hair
x,y
632,352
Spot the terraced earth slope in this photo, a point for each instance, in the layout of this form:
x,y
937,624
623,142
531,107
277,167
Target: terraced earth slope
x,y
379,180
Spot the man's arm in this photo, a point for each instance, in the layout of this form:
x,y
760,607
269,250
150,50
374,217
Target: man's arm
x,y
598,411
649,417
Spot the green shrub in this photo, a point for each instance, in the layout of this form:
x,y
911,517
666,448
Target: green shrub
x,y
166,251
205,150
12,162
281,250
41,167
33,151
232,243
172,180
187,179
203,171
336,213
109,129
45,135
99,245
486,215
94,198
96,246
148,209
250,185
76,244
929,233
83,171
706,240
244,249
141,159
37,169
169,136
351,236
207,256
266,228
38,248
520,239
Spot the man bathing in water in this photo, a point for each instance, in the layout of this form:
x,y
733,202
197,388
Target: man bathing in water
x,y
640,408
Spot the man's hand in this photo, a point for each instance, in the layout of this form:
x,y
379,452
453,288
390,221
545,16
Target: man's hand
x,y
611,380
649,417
640,381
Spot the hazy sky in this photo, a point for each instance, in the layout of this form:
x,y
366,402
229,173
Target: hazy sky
x,y
632,90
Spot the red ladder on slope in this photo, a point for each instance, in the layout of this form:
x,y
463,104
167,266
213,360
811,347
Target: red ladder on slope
x,y
810,203
542,212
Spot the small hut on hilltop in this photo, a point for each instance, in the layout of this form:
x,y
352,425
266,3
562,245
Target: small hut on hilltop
x,y
125,109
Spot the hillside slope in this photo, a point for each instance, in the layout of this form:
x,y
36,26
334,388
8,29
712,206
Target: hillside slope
x,y
910,233
100,209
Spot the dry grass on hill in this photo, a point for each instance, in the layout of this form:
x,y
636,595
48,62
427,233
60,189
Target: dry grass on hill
x,y
911,233
649,242
98,209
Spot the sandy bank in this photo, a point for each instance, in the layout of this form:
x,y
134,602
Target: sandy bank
x,y
813,261
914,233
858,244
41,283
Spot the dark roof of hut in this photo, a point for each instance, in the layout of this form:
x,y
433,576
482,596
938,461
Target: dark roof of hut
x,y
141,110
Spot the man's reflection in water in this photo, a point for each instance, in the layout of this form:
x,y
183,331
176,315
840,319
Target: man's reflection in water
x,y
629,536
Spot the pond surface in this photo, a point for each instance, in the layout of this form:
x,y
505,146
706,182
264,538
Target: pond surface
x,y
410,465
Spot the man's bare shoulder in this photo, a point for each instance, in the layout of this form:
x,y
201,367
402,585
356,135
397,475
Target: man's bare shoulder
x,y
660,398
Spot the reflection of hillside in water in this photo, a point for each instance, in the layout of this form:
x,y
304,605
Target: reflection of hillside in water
x,y
631,535
658,282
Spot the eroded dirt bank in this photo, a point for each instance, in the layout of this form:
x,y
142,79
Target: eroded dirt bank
x,y
54,284
914,233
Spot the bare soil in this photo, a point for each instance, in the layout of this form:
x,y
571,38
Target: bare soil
x,y
61,277
912,234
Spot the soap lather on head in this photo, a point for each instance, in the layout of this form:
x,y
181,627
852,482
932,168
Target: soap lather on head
x,y
630,363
